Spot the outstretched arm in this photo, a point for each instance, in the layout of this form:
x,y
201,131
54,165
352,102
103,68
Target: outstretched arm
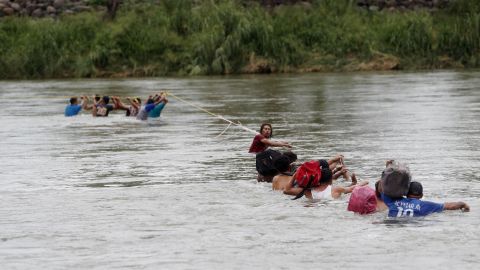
x,y
336,159
338,191
85,105
94,107
134,103
161,98
290,190
456,206
119,104
275,143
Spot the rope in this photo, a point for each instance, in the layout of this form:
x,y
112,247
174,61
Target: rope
x,y
223,131
216,115
225,119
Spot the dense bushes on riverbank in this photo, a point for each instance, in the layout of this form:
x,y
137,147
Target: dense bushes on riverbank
x,y
222,37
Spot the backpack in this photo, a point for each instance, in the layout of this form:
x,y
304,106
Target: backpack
x,y
264,162
309,172
363,200
396,181
308,176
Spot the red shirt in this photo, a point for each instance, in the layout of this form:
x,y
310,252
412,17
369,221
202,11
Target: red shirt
x,y
257,145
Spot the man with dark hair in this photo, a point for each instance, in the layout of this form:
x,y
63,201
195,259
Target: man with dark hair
x,y
282,164
74,108
101,106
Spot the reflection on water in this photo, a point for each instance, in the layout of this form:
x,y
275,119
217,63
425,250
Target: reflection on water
x,y
115,192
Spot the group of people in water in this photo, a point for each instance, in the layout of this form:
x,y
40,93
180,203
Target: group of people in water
x,y
102,105
394,191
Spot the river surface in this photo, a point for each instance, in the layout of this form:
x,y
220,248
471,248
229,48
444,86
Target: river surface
x,y
177,193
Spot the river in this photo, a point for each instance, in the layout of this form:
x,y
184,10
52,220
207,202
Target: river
x,y
179,192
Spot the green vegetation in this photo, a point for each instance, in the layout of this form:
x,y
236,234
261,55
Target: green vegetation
x,y
224,37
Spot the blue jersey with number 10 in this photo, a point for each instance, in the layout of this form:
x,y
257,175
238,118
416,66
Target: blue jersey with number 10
x,y
409,207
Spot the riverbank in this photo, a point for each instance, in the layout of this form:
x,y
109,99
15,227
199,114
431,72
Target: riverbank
x,y
183,38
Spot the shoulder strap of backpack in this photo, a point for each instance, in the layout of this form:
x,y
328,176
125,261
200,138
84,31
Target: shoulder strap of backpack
x,y
299,195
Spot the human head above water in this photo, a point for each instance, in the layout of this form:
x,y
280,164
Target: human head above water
x,y
291,156
282,163
73,100
415,190
326,176
266,130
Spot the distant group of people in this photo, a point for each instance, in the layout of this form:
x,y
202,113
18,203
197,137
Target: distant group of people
x,y
394,191
102,105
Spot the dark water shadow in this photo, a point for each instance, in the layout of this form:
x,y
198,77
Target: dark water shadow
x,y
407,222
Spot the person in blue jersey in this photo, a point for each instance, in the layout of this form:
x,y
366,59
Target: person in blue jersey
x,y
74,108
162,100
412,205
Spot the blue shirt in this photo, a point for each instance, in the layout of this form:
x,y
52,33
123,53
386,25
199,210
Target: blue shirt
x,y
157,110
410,207
143,113
72,110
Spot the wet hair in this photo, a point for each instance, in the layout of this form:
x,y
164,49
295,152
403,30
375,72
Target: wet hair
x,y
291,156
415,189
97,98
323,163
282,163
271,129
106,99
326,176
73,100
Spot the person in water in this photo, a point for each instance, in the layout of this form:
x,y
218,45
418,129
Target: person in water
x,y
145,109
130,110
337,166
412,205
325,190
161,100
283,164
74,108
286,166
263,140
101,108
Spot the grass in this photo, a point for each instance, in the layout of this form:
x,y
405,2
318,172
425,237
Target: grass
x,y
226,37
